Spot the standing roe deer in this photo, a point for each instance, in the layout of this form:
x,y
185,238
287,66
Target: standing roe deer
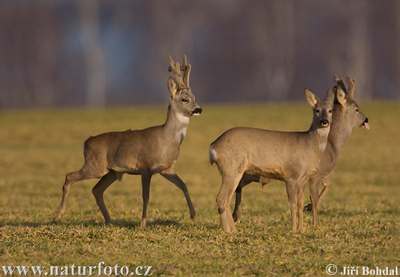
x,y
292,157
140,152
346,116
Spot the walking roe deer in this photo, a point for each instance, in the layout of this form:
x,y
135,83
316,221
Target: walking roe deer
x,y
140,152
292,157
346,115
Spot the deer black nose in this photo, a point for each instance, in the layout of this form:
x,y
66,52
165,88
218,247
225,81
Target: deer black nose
x,y
324,122
365,124
197,111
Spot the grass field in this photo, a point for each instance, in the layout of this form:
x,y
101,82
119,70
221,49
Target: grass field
x,y
359,218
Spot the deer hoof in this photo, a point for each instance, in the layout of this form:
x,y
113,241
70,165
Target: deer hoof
x,y
231,230
235,217
308,207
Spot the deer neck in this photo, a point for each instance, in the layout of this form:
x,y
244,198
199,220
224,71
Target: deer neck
x,y
176,125
340,131
320,136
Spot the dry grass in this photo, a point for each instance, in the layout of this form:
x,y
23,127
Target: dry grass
x,y
359,217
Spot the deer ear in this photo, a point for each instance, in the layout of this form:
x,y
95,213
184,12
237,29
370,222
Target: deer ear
x,y
311,98
330,99
341,96
172,87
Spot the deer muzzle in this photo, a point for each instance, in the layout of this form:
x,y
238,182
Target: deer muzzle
x,y
365,124
197,111
324,123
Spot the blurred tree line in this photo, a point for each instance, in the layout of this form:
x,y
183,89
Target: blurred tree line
x,y
75,52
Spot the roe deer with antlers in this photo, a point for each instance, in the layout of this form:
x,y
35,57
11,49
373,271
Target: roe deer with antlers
x,y
292,157
140,152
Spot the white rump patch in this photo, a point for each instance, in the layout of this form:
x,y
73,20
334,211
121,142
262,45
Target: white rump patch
x,y
213,155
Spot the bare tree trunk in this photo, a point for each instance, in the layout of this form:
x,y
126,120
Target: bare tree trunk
x,y
280,52
93,53
360,49
42,65
397,53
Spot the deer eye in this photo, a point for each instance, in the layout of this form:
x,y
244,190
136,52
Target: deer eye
x,y
185,100
330,111
357,110
317,110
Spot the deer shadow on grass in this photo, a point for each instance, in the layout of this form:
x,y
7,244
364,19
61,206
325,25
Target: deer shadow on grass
x,y
134,224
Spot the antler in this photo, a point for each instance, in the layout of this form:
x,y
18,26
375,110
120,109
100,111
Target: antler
x,y
340,83
176,71
180,73
174,67
186,69
352,86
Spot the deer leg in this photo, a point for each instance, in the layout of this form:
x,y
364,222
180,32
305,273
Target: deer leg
x,y
221,200
238,200
314,194
292,197
176,180
309,206
300,204
146,178
70,178
325,184
98,191
228,186
231,222
243,182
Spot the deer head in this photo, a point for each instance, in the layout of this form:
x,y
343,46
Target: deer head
x,y
322,110
348,106
182,100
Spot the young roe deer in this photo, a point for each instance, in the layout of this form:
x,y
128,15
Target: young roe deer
x,y
140,152
292,157
346,115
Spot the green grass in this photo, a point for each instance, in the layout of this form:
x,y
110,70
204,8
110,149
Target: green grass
x,y
359,218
